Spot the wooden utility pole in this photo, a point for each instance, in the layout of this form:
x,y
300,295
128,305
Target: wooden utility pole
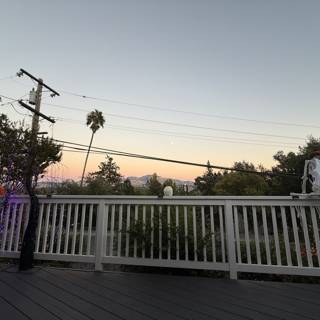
x,y
28,243
35,119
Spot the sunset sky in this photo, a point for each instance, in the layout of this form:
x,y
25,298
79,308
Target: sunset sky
x,y
200,63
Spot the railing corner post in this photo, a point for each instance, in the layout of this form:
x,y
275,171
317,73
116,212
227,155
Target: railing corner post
x,y
230,240
100,236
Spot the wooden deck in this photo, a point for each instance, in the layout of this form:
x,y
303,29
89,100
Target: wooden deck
x,y
47,293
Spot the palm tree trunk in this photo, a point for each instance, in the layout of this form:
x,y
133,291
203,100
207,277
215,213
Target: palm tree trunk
x,y
85,163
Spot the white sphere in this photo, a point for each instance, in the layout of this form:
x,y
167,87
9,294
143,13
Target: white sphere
x,y
168,191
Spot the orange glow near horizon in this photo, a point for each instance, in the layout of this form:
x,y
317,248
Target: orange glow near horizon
x,y
72,164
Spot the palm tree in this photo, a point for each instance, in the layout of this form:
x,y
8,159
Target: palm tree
x,y
95,121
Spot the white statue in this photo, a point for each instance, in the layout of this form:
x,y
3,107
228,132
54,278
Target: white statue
x,y
312,173
168,191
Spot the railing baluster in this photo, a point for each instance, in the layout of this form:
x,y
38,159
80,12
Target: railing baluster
x,y
256,234
83,216
237,233
6,222
169,233
315,233
186,241
144,231
223,250
17,240
160,232
127,231
194,223
53,227
152,231
230,230
105,229
286,235
112,230
120,230
306,236
266,235
61,215
66,240
296,235
89,230
276,234
12,225
203,234
136,223
39,227
246,234
74,232
102,217
213,236
45,238
177,234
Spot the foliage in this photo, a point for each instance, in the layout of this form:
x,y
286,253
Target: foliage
x,y
109,171
95,121
154,187
291,163
205,184
68,187
106,180
23,159
15,145
241,183
170,233
127,188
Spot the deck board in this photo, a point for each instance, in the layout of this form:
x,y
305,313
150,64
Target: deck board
x,y
48,293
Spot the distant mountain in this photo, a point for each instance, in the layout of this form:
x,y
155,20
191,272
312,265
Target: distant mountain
x,y
141,181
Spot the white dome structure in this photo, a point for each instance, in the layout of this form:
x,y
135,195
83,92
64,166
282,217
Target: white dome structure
x,y
168,191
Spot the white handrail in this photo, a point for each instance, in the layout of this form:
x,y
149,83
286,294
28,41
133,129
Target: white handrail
x,y
230,233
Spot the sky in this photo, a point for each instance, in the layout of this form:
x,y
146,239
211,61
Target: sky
x,y
199,63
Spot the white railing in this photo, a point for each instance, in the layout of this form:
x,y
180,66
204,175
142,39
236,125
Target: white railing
x,y
234,234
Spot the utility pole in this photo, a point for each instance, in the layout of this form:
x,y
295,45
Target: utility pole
x,y
35,118
28,243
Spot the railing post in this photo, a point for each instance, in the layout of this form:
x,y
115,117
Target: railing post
x,y
100,235
230,240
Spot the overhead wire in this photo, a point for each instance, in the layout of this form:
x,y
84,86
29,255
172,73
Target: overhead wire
x,y
22,114
76,146
186,125
185,135
191,112
166,122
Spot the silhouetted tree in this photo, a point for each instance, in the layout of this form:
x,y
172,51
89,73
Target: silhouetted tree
x,y
205,184
153,185
95,121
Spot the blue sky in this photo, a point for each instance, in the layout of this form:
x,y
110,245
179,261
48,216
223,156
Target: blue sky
x,y
248,59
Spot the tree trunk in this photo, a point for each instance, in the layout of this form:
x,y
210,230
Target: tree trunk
x,y
29,239
85,163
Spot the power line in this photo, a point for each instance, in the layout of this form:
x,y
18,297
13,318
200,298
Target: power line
x,y
192,112
22,114
183,124
9,98
167,122
185,135
140,156
200,137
